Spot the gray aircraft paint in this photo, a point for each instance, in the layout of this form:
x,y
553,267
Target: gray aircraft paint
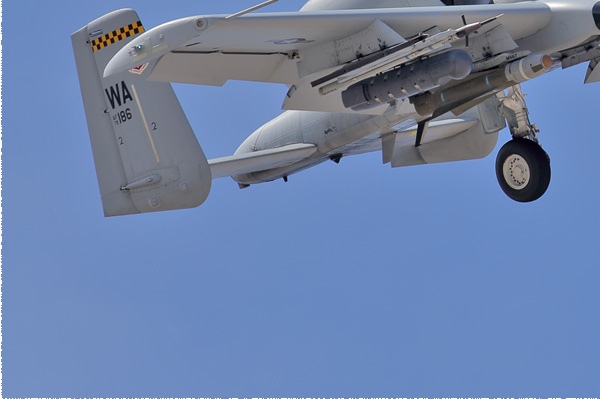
x,y
138,180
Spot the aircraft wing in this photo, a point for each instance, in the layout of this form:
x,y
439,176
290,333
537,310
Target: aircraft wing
x,y
260,160
300,48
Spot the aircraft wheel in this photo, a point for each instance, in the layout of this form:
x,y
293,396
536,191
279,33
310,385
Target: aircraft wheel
x,y
523,170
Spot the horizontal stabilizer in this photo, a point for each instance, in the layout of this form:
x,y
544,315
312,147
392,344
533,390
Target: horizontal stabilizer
x,y
260,160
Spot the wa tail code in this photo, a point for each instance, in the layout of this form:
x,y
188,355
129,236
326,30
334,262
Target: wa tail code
x,y
118,95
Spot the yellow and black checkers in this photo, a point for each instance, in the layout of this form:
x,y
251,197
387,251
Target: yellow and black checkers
x,y
116,36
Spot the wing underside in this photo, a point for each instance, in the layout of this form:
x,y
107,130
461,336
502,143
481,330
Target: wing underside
x,y
299,48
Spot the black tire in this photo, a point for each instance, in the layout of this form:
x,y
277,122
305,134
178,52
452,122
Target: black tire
x,y
523,170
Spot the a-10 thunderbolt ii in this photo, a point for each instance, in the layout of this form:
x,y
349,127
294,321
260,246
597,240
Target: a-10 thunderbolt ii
x,y
421,81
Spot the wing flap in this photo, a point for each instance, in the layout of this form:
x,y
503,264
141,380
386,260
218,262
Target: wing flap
x,y
438,130
260,160
461,138
593,72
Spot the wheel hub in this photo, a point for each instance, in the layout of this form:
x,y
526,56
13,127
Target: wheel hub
x,y
516,172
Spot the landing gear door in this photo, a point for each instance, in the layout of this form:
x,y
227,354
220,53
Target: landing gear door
x,y
490,116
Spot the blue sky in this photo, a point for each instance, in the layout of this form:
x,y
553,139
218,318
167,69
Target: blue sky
x,y
350,280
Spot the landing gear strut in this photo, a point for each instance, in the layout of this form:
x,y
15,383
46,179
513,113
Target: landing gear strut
x,y
522,166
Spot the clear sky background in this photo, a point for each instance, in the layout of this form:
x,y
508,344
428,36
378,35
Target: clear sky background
x,y
350,280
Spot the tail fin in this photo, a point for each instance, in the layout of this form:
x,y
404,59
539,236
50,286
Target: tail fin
x,y
146,155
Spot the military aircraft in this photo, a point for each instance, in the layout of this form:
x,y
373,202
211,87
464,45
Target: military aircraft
x,y
421,81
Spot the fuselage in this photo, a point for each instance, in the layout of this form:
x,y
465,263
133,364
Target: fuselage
x,y
570,25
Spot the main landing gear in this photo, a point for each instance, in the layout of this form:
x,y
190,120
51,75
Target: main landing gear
x,y
522,166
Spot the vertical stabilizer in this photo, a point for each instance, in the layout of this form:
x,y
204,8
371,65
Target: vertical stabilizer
x,y
146,155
